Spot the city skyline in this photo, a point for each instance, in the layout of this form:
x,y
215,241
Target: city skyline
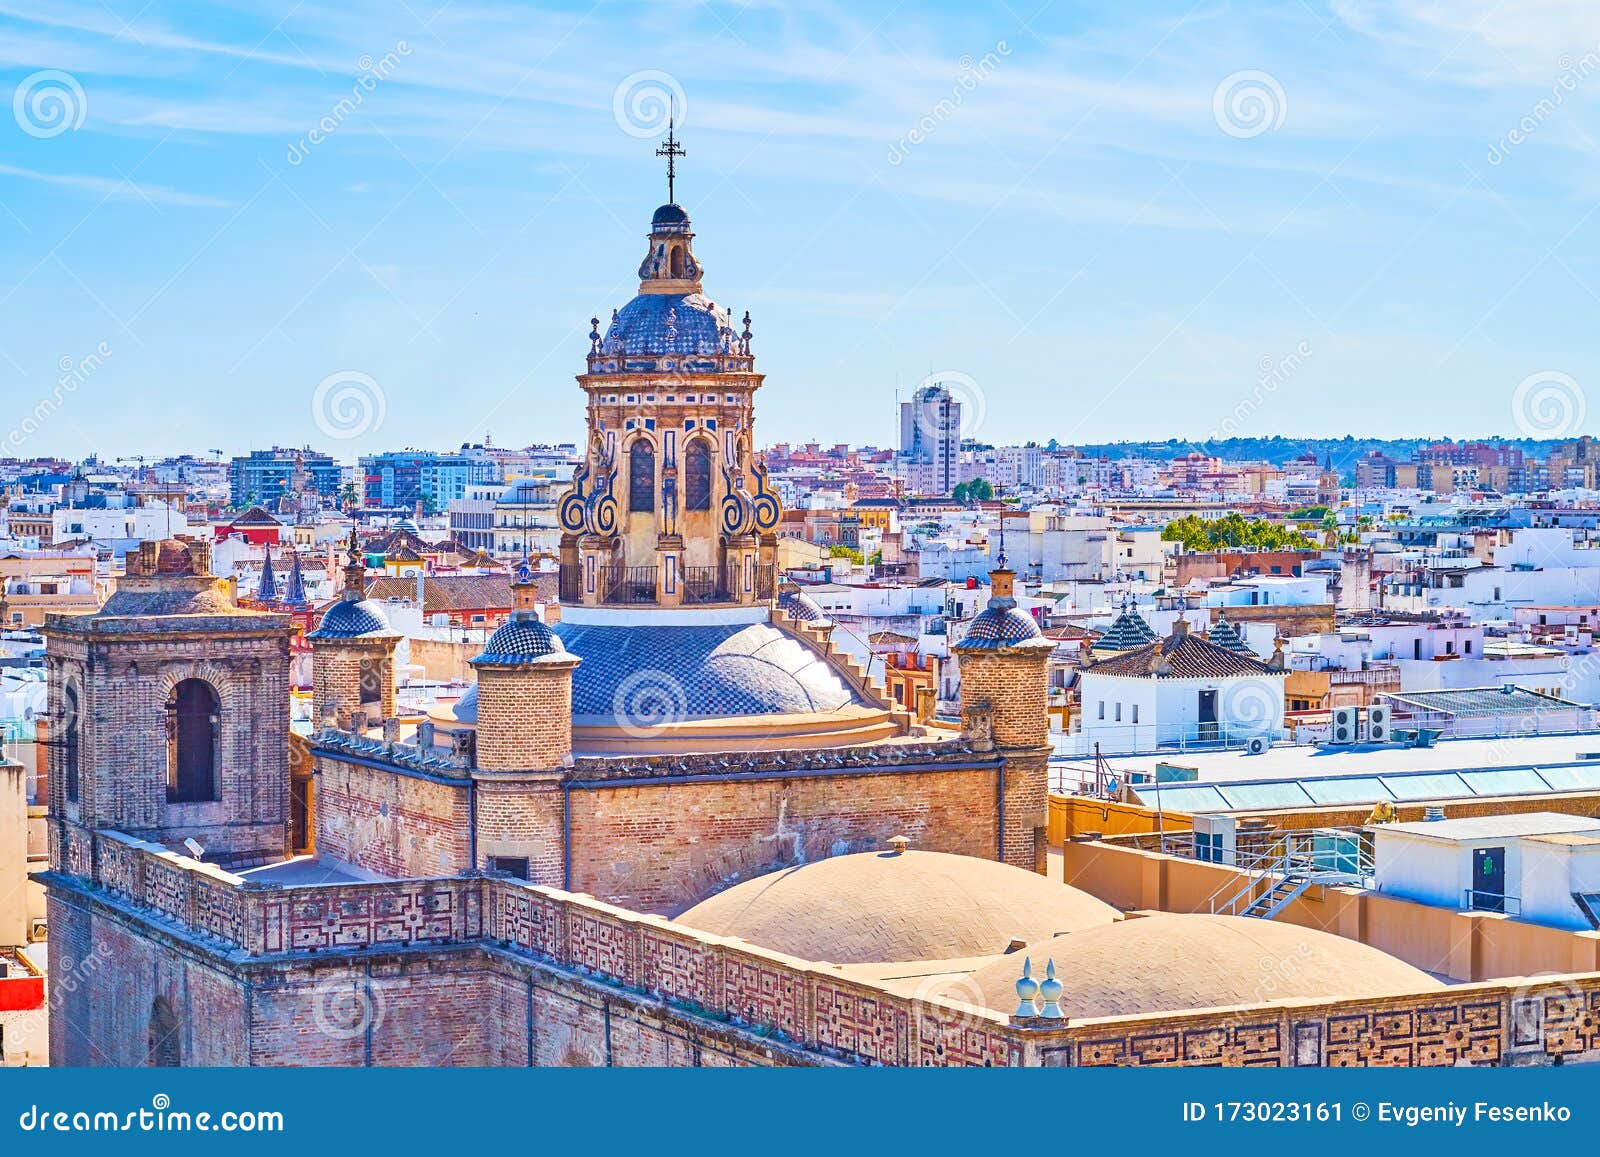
x,y
1053,206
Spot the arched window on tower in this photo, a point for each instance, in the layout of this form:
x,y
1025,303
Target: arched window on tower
x,y
641,477
166,1047
697,476
676,261
69,743
192,742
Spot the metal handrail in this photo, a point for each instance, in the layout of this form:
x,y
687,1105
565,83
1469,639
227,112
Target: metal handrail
x,y
1475,900
1289,855
628,584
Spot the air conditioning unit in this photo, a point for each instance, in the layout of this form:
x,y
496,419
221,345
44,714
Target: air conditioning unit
x,y
1345,722
1378,729
1258,745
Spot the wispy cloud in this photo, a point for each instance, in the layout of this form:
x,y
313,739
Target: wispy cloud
x,y
119,188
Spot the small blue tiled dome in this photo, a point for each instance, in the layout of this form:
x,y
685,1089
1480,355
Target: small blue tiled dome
x,y
669,323
999,627
669,215
524,639
352,619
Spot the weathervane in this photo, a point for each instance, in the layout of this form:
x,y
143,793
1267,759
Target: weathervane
x,y
672,151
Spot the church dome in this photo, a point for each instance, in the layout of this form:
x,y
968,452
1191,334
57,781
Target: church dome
x,y
353,619
1169,962
801,607
874,907
636,673
669,215
669,323
999,627
523,639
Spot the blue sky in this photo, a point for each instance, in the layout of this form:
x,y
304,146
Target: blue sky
x,y
1065,204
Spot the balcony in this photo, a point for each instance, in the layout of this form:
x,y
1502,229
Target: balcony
x,y
704,584
627,585
637,586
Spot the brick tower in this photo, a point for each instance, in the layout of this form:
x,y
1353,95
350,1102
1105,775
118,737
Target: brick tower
x,y
352,653
524,742
170,708
1005,661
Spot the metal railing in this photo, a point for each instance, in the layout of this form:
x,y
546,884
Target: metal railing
x,y
1289,863
571,584
704,584
1475,900
627,585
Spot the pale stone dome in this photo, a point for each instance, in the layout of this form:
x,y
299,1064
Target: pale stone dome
x,y
875,907
1169,962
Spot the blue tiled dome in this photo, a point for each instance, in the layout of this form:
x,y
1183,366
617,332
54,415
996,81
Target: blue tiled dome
x,y
802,607
647,675
521,640
669,323
670,215
352,619
1000,627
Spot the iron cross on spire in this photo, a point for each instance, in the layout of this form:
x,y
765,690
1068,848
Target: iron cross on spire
x,y
672,151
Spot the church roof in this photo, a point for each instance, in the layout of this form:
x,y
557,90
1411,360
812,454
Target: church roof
x,y
1129,631
897,906
294,590
670,323
670,215
1225,634
353,619
1181,655
267,588
801,606
460,592
998,628
645,676
524,639
1168,962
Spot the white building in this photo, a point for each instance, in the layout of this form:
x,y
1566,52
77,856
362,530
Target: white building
x,y
1540,866
1181,691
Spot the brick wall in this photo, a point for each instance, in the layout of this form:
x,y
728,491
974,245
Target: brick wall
x,y
663,848
474,971
397,825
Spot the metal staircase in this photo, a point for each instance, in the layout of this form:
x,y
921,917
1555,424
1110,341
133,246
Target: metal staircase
x,y
1276,877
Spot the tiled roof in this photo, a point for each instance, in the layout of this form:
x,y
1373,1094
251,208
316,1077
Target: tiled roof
x,y
1225,634
394,539
460,592
255,516
1129,631
353,619
1000,627
1183,656
657,674
522,640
